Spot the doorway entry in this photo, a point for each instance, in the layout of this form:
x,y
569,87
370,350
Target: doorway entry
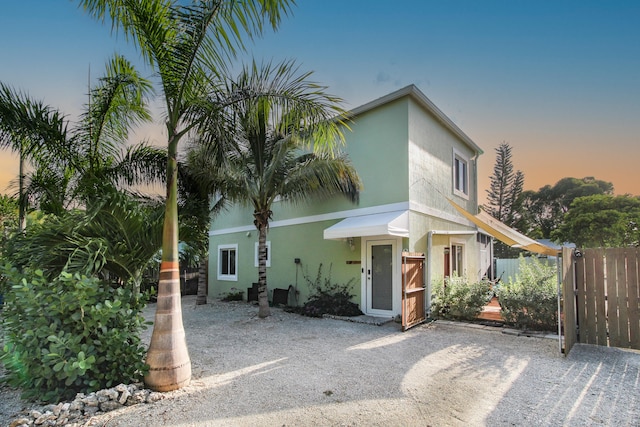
x,y
380,277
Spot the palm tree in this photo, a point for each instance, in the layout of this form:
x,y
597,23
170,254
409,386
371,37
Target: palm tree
x,y
9,212
197,207
187,45
98,158
115,239
34,130
278,144
87,165
76,165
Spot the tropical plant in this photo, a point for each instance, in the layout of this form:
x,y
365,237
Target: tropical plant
x,y
197,207
531,300
34,130
98,158
114,239
9,216
278,144
76,165
456,298
329,297
233,295
187,45
70,334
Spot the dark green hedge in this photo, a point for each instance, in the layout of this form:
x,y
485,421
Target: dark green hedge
x,y
73,334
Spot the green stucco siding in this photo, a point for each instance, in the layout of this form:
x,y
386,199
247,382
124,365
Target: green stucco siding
x,y
431,148
379,150
377,146
288,243
404,155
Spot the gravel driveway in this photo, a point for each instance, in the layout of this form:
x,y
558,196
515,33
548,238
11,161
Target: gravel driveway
x,y
289,370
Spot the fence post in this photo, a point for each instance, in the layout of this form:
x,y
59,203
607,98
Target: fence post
x,y
569,299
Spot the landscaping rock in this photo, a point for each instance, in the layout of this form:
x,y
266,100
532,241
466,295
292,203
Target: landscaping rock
x,y
19,422
79,412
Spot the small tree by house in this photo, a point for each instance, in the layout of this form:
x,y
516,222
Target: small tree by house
x,y
279,143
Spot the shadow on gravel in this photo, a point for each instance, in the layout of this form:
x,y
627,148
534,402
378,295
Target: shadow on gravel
x,y
593,386
292,370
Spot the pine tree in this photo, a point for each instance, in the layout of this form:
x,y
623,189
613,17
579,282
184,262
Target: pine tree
x,y
504,196
505,189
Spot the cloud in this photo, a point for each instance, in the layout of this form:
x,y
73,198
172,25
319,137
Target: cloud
x,y
382,77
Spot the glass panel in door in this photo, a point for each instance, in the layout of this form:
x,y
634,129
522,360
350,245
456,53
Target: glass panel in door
x,y
382,277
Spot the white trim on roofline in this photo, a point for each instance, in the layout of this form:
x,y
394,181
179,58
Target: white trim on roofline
x,y
317,218
413,206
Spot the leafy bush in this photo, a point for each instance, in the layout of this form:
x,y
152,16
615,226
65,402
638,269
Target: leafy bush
x,y
233,295
531,301
329,298
455,298
73,334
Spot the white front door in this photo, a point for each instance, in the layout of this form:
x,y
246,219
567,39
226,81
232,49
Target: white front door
x,y
380,277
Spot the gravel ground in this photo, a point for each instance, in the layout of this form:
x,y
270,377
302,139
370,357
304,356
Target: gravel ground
x,y
289,370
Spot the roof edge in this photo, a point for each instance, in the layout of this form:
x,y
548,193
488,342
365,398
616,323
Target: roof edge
x,y
415,93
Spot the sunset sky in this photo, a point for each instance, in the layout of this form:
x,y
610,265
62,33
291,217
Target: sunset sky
x,y
558,80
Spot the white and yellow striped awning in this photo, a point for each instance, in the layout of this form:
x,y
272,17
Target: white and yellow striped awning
x,y
504,233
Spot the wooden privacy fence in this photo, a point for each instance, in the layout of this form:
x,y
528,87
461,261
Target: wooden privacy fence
x,y
601,297
413,290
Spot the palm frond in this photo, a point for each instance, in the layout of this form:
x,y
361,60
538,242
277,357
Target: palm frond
x,y
140,164
282,98
118,103
30,127
115,238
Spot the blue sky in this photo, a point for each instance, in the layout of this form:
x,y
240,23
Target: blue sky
x,y
558,80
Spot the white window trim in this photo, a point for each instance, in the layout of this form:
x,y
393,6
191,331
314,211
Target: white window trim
x,y
463,267
465,159
227,277
255,254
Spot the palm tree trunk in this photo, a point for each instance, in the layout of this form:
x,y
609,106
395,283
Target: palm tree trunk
x,y
263,298
201,299
22,200
168,357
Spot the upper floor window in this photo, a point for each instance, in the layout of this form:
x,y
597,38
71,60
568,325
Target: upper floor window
x,y
460,175
227,262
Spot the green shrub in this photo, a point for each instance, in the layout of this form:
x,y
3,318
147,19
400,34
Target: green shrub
x,y
73,334
455,298
531,301
329,298
233,295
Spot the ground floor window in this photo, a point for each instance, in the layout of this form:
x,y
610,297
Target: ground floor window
x,y
227,262
454,260
457,260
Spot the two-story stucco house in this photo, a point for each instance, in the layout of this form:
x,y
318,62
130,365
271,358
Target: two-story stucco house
x,y
411,159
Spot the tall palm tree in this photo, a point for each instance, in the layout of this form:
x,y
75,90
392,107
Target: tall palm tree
x,y
89,165
32,129
280,143
188,46
76,164
98,157
199,201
